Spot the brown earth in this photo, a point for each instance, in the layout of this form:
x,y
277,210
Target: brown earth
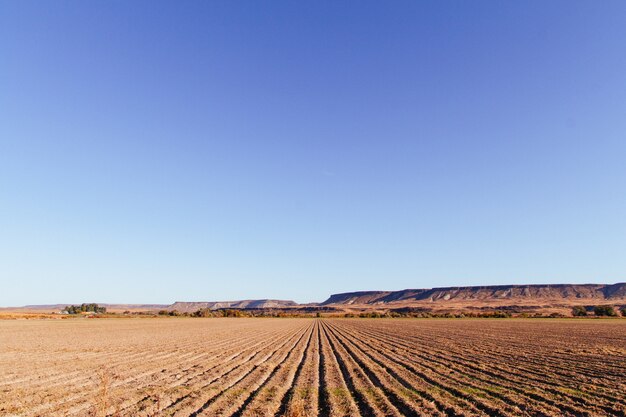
x,y
309,367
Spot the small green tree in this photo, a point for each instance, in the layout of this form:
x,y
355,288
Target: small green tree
x,y
579,311
605,310
85,308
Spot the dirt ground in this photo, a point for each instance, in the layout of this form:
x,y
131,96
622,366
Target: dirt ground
x,y
312,367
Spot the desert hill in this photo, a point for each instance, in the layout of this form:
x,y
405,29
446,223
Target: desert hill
x,y
569,294
118,308
188,307
180,306
514,298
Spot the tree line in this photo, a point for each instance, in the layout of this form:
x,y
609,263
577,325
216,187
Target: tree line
x,y
601,311
85,308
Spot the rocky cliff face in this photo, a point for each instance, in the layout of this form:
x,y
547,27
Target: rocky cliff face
x,y
358,297
183,306
565,292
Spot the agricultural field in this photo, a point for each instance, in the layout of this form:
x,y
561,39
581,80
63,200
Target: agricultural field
x,y
312,367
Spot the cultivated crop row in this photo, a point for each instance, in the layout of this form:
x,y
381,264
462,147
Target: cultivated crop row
x,y
308,367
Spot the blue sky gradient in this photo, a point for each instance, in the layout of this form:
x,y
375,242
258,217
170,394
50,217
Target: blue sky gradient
x,y
162,151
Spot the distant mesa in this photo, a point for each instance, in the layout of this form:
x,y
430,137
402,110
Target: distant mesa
x,y
517,298
498,294
188,307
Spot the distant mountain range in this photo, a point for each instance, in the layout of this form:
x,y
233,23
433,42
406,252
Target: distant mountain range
x,y
188,307
521,297
492,293
110,307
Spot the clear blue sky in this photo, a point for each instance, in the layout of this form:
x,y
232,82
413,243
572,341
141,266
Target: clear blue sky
x,y
213,150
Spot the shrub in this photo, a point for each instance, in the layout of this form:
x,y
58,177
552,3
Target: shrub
x,y
579,311
604,311
233,313
496,315
203,312
623,311
371,315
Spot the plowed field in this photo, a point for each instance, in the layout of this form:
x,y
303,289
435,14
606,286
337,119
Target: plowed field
x,y
309,367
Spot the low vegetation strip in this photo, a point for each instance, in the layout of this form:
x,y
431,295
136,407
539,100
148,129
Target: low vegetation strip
x,y
312,367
